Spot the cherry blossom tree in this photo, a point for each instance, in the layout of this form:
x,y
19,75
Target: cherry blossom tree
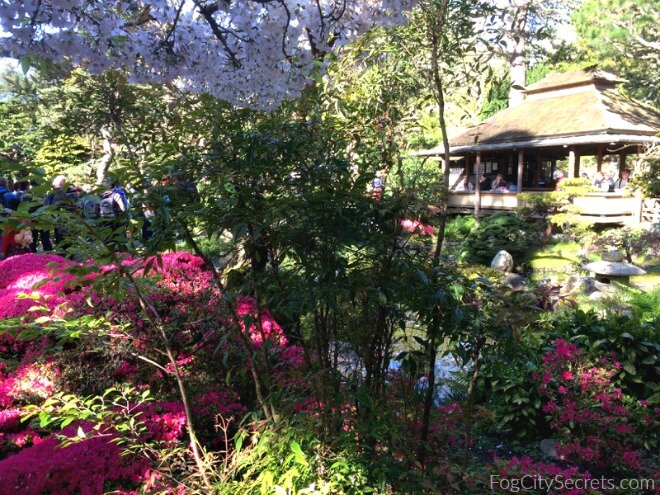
x,y
251,53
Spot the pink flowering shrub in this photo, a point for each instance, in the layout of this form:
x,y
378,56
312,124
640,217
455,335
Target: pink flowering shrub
x,y
164,421
447,428
22,272
38,275
29,382
263,327
85,467
196,321
417,227
597,426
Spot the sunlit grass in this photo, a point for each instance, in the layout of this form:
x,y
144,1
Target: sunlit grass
x,y
560,258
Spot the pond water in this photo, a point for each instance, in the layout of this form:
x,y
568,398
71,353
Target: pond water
x,y
351,368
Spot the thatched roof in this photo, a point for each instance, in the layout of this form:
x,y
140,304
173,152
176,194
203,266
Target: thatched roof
x,y
574,108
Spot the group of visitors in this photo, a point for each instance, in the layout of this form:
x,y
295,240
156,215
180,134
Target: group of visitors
x,y
606,182
109,209
498,184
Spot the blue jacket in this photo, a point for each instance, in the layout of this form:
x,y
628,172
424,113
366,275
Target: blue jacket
x,y
3,192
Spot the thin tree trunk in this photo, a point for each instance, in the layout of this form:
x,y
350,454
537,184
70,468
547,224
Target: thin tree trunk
x,y
108,155
433,331
470,400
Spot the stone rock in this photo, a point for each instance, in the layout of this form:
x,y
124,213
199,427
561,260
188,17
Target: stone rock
x,y
597,296
606,288
549,447
580,285
609,271
503,262
514,281
613,255
569,283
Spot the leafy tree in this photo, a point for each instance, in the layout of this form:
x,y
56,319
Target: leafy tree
x,y
518,31
623,36
20,134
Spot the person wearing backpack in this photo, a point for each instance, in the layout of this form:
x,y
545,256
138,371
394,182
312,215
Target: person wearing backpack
x,y
89,204
114,214
39,234
56,196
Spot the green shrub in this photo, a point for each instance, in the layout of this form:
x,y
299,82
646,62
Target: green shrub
x,y
630,241
539,203
648,181
632,342
459,227
496,232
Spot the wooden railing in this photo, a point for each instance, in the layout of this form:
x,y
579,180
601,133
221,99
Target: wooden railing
x,y
650,210
594,207
464,201
609,208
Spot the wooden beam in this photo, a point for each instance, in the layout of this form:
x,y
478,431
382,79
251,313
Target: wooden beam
x,y
599,158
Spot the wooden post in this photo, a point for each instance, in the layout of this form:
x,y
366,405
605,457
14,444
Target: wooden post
x,y
599,158
572,166
477,187
443,166
521,163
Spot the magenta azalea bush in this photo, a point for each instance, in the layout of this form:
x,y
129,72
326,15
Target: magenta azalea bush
x,y
596,426
85,466
33,370
417,227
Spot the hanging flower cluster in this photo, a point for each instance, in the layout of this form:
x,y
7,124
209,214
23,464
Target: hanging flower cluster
x,y
257,55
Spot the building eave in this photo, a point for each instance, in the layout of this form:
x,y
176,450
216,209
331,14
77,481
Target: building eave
x,y
563,141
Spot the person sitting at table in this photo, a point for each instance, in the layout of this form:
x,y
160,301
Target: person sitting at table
x,y
485,183
465,185
499,183
622,182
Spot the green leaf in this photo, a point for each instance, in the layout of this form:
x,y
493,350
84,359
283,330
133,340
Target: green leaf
x,y
26,64
629,367
295,448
